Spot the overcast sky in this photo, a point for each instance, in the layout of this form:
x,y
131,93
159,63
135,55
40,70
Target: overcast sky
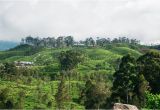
x,y
80,18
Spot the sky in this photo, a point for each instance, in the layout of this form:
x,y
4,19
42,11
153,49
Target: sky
x,y
138,19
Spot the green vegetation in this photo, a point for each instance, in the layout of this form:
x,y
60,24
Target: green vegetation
x,y
58,73
152,101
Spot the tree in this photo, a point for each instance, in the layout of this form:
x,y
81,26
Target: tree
x,y
95,94
36,41
10,68
101,42
68,61
90,42
60,42
134,41
69,40
52,42
6,102
48,42
29,40
115,40
141,87
149,66
22,41
62,94
2,70
44,42
129,85
124,80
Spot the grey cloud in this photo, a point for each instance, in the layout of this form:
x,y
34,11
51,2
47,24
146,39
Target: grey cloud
x,y
80,18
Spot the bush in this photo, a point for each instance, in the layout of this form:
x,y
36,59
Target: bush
x,y
152,101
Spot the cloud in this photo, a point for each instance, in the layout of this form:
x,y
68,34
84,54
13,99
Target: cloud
x,y
80,18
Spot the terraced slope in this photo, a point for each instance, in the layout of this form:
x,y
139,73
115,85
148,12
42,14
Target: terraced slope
x,y
45,59
48,56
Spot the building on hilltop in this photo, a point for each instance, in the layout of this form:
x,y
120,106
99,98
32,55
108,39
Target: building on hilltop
x,y
23,63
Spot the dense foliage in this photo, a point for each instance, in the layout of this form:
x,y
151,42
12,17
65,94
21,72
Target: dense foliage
x,y
125,80
135,77
152,101
149,66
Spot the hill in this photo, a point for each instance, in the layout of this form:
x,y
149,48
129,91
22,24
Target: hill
x,y
5,45
106,58
43,78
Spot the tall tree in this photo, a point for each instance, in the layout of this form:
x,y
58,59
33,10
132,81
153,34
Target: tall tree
x,y
69,40
68,61
52,42
95,94
124,79
29,40
90,42
149,66
140,89
60,42
103,41
36,41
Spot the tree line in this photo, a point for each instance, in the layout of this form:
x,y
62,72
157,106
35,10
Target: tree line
x,y
68,41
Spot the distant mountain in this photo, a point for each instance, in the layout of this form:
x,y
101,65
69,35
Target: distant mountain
x,y
156,47
5,45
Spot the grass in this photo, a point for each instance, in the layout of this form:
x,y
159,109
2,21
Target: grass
x,y
125,50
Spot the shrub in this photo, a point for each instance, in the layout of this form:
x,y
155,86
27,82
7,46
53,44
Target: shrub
x,y
152,101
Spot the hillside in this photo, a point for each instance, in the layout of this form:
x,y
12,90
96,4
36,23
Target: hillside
x,y
48,56
46,62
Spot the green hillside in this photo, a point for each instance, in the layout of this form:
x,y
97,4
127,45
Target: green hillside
x,y
93,53
48,56
46,62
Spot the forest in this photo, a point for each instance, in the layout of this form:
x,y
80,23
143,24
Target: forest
x,y
61,73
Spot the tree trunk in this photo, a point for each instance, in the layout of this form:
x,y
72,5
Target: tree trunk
x,y
127,96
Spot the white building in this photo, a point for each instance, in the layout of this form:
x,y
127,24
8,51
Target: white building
x,y
23,63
